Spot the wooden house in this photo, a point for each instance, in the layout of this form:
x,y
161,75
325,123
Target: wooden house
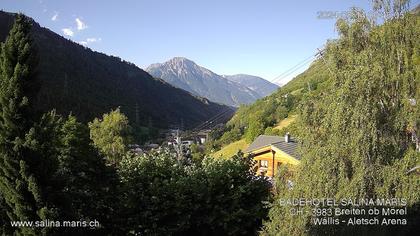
x,y
270,152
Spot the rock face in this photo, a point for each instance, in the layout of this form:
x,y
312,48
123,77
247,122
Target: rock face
x,y
187,75
258,84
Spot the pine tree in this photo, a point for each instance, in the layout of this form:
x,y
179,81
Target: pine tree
x,y
18,186
86,183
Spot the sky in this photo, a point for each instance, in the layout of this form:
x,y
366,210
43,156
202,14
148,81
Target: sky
x,y
265,38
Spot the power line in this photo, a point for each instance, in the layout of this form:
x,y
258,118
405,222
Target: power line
x,y
213,119
280,77
321,54
294,68
298,66
293,71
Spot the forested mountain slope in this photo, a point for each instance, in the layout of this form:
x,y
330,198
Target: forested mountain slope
x,y
77,80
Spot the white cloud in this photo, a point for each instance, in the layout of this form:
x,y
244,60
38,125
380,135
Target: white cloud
x,y
92,40
84,43
55,16
80,24
68,32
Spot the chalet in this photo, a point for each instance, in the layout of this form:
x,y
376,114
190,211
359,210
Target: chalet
x,y
270,152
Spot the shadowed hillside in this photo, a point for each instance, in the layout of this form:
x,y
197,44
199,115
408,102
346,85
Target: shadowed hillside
x,y
86,83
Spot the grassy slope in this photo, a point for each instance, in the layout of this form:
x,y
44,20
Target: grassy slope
x,y
231,149
312,81
286,122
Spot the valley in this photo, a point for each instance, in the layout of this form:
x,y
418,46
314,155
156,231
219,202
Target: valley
x,y
95,141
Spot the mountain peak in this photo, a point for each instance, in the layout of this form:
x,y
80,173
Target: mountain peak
x,y
175,63
186,74
179,59
180,62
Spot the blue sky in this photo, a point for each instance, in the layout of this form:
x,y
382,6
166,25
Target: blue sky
x,y
258,37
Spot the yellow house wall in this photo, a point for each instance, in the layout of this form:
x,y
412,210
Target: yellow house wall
x,y
279,158
268,157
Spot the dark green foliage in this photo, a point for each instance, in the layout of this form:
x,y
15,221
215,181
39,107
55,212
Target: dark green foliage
x,y
142,134
163,197
231,196
356,135
87,184
49,169
76,183
20,190
88,84
4,222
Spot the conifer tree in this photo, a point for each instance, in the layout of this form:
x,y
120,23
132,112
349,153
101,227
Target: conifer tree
x,y
76,183
88,184
18,186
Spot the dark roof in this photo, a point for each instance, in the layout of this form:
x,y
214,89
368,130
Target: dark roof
x,y
277,141
263,141
289,148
